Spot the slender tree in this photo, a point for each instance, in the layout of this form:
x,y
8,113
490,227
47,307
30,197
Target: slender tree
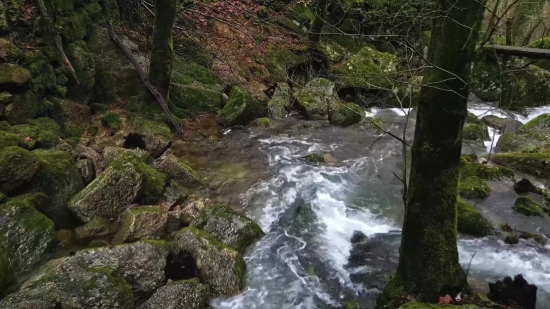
x,y
319,21
162,53
428,262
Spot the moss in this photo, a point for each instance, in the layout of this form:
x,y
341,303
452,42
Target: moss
x,y
280,58
475,132
31,137
92,130
469,168
241,109
155,180
83,63
74,27
527,87
44,77
21,108
526,206
346,114
96,227
186,72
317,97
470,221
8,139
13,76
93,9
196,99
262,122
17,167
473,187
528,163
368,69
315,158
112,121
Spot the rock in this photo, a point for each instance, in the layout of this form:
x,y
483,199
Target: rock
x,y
472,118
84,65
92,130
511,126
196,98
73,117
83,152
262,122
13,77
364,69
346,114
8,139
280,101
483,171
528,163
86,167
511,240
372,125
124,182
85,288
317,97
174,194
526,206
516,293
471,221
495,122
326,157
25,235
189,212
535,133
184,294
20,108
525,186
241,109
155,135
220,266
475,133
97,227
473,187
358,237
111,154
178,171
141,264
17,167
229,226
528,87
112,121
140,223
38,133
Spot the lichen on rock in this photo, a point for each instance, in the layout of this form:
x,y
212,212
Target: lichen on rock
x,y
471,222
317,97
241,109
183,294
140,223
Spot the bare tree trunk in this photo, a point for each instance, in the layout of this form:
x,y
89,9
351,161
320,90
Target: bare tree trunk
x,y
162,53
428,262
319,21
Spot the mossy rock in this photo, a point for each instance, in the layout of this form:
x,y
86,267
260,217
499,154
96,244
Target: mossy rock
x,y
17,167
126,180
475,133
20,108
346,114
156,135
471,222
528,163
280,58
13,77
473,187
483,171
280,101
140,223
471,118
188,294
83,63
241,109
39,133
196,100
25,235
221,266
178,171
545,44
45,78
92,130
229,226
262,122
72,117
485,82
526,88
112,121
315,158
74,27
495,122
97,227
317,97
367,69
186,72
111,154
373,126
8,139
526,206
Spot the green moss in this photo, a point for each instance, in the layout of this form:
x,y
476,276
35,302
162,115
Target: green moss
x,y
368,69
196,99
262,122
8,139
83,63
44,78
13,75
17,167
471,118
470,168
186,72
93,9
473,187
32,136
74,27
21,108
528,163
241,109
315,158
112,121
527,87
92,130
347,114
73,131
280,58
470,221
526,206
475,132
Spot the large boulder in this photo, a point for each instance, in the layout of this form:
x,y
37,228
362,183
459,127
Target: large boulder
x,y
13,77
528,87
280,101
368,70
84,288
141,264
495,121
317,98
241,109
42,132
17,167
219,265
25,235
111,154
183,294
73,117
535,133
473,187
529,163
141,223
20,108
155,135
124,182
346,114
194,99
229,226
178,171
468,167
526,206
475,133
184,215
471,221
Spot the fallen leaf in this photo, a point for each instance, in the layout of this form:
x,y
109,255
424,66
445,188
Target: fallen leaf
x,y
444,300
28,139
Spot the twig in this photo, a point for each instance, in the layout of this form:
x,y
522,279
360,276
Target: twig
x,y
50,29
144,77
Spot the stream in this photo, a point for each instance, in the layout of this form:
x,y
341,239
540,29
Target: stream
x,y
310,212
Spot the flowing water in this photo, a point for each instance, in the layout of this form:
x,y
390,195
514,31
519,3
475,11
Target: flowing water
x,y
309,213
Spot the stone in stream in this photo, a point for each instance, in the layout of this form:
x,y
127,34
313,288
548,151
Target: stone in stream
x,y
229,226
346,114
241,109
280,101
525,186
511,126
25,235
358,237
495,122
183,294
526,206
140,223
184,215
178,171
529,163
317,97
471,222
473,187
218,265
516,293
534,134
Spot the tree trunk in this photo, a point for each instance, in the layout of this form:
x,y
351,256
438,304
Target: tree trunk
x,y
129,12
162,54
428,262
319,21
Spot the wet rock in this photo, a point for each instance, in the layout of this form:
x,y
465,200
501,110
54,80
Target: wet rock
x,y
178,171
261,122
110,154
17,167
280,101
495,122
25,235
190,211
184,294
141,264
86,167
229,226
346,114
511,240
529,163
220,266
140,223
475,133
20,108
124,182
535,133
470,168
317,97
471,222
83,288
241,109
156,136
13,77
473,187
358,237
97,227
516,293
326,157
511,126
526,206
525,186
64,238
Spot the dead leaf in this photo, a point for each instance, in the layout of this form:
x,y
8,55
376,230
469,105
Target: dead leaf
x,y
444,300
28,139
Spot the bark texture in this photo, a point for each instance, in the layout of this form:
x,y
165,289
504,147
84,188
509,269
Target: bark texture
x,y
162,54
428,263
